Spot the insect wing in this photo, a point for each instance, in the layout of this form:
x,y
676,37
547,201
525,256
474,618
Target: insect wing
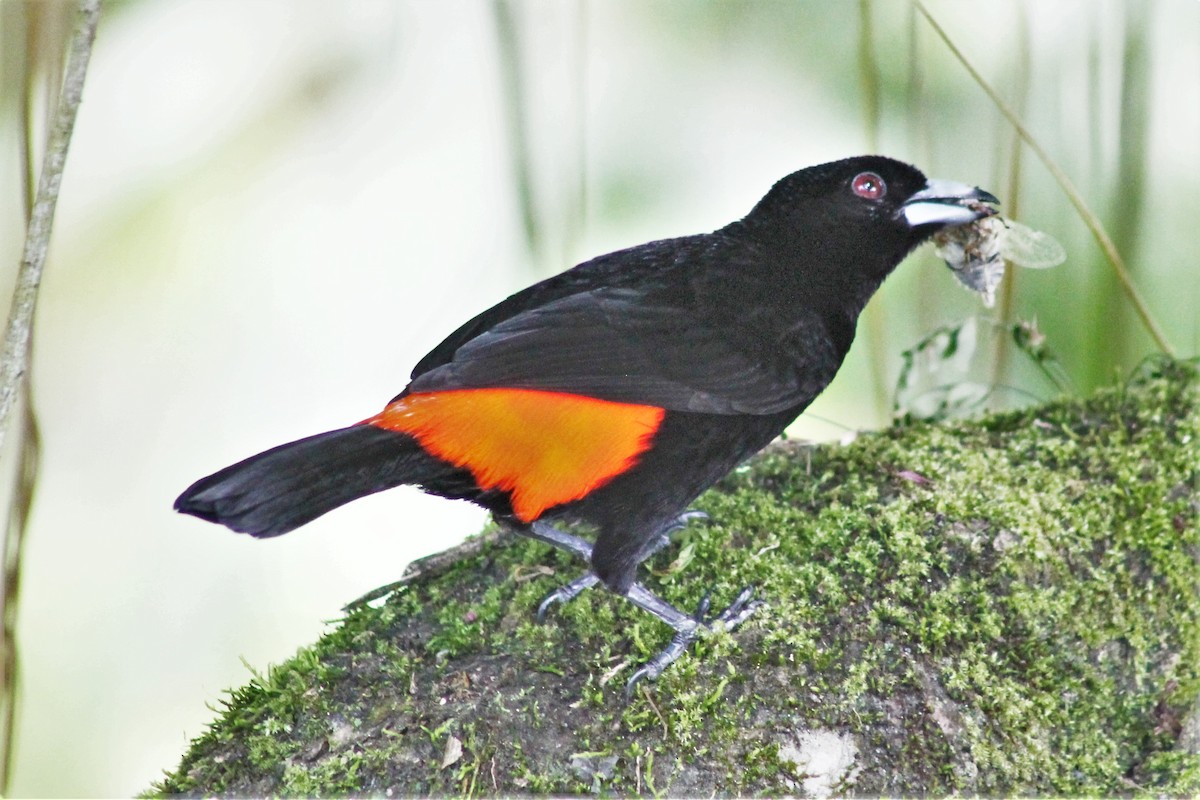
x,y
1028,248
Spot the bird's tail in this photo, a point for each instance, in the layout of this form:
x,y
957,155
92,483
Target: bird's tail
x,y
285,487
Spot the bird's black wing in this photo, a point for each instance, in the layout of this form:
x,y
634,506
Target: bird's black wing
x,y
619,268
653,328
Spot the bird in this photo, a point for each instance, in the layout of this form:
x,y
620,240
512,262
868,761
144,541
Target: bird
x,y
591,409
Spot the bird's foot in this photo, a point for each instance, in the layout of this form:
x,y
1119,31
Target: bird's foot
x,y
682,521
566,593
687,629
565,541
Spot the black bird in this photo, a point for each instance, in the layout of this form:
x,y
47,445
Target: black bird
x,y
616,392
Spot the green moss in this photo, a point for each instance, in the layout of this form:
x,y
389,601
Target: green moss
x,y
1007,605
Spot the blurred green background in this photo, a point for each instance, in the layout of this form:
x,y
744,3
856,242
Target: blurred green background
x,y
273,208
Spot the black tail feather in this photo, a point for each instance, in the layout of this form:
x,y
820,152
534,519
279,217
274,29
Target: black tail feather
x,y
283,488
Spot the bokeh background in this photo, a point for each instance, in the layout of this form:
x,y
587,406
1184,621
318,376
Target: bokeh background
x,y
273,208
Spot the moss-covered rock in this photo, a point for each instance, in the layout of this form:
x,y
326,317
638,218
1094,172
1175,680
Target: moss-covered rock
x,y
1002,606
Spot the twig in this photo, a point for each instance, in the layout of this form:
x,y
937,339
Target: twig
x,y
14,365
24,481
37,237
1089,218
650,699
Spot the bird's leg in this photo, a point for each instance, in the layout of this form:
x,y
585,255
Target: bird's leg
x,y
687,628
544,532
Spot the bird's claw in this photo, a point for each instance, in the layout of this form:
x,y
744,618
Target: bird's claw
x,y
549,600
566,593
655,666
692,514
679,523
740,609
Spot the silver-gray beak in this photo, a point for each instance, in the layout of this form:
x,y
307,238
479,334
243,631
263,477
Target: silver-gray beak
x,y
944,203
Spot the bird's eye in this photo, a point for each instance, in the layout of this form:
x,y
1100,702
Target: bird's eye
x,y
868,185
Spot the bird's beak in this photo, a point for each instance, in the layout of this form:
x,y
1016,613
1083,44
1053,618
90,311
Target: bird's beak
x,y
945,203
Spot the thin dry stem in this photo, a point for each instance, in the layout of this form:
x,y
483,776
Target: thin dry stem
x,y
15,364
37,237
1085,213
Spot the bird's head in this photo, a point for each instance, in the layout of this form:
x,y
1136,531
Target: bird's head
x,y
868,211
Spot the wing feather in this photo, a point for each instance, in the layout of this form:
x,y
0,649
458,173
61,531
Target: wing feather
x,y
644,332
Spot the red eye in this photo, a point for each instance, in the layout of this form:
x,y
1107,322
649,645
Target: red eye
x,y
868,185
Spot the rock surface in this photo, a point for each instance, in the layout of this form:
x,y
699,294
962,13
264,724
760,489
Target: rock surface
x,y
1002,606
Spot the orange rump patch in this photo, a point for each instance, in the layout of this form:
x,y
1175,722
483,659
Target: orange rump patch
x,y
543,448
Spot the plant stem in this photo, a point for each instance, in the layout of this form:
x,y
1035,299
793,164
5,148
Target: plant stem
x,y
1089,218
14,366
37,237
